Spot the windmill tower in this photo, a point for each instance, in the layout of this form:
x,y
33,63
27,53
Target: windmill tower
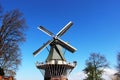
x,y
56,67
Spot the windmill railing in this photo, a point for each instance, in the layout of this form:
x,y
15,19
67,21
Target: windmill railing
x,y
53,69
58,62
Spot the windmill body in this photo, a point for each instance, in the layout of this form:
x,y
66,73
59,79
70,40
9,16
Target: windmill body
x,y
55,53
56,67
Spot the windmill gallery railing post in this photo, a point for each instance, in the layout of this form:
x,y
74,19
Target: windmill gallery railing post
x,y
56,67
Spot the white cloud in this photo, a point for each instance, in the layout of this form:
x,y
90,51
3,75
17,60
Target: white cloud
x,y
108,74
77,76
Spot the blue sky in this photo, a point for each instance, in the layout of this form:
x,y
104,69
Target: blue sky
x,y
96,29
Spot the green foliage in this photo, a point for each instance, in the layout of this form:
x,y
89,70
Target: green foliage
x,y
95,66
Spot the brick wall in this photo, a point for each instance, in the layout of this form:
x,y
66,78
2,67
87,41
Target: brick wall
x,y
6,78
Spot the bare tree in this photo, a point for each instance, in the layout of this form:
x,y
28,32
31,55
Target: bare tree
x,y
117,75
11,36
118,62
95,66
0,11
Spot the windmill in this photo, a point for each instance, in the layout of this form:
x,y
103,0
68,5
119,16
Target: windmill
x,y
56,66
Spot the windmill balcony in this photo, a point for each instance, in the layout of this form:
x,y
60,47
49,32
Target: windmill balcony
x,y
60,62
55,68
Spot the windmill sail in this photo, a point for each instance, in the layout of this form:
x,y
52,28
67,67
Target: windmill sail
x,y
66,46
62,31
45,31
56,39
41,48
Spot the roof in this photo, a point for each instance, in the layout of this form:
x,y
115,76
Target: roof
x,y
55,53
